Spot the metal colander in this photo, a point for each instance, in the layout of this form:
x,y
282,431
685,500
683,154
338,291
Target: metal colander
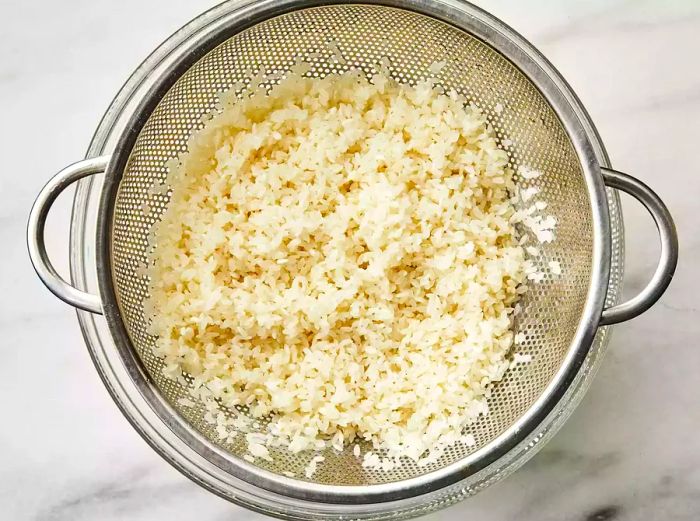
x,y
364,36
533,124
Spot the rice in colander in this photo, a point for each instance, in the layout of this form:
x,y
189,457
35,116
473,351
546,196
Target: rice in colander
x,y
341,254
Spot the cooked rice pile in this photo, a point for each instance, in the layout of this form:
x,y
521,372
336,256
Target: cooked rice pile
x,y
341,254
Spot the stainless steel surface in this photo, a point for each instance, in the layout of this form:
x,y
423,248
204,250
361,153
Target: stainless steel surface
x,y
365,35
669,248
551,132
35,233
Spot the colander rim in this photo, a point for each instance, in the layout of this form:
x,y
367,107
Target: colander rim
x,y
546,79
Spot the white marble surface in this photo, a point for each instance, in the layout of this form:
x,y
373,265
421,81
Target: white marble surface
x,y
630,452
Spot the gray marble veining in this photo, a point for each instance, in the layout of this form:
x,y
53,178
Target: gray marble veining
x,y
631,450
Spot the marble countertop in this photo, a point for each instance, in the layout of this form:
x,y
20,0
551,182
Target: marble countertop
x,y
631,451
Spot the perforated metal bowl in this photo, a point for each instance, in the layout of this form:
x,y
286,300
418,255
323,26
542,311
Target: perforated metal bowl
x,y
538,121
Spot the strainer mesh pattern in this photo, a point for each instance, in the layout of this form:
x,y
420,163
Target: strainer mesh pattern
x,y
527,128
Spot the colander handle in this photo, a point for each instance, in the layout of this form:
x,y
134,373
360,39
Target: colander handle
x,y
669,248
35,233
